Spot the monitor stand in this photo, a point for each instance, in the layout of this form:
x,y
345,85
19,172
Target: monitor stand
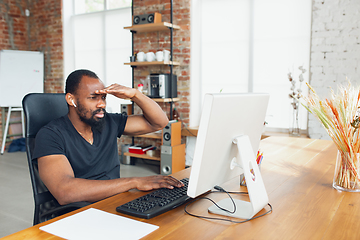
x,y
255,185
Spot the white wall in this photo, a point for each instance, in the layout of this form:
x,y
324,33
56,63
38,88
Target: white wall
x,y
335,50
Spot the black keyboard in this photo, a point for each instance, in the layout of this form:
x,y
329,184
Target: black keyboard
x,y
156,202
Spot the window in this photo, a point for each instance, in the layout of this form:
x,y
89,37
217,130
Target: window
x,y
89,6
250,46
95,39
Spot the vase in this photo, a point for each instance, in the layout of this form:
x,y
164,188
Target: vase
x,y
346,176
294,126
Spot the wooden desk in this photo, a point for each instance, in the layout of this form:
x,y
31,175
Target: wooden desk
x,y
298,176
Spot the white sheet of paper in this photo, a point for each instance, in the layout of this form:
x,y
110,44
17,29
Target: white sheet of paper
x,y
96,224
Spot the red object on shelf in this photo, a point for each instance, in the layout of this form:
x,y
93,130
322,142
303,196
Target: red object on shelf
x,y
140,149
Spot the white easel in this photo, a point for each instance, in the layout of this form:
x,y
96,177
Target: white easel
x,y
21,72
11,109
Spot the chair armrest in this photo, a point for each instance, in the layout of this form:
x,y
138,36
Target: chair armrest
x,y
62,209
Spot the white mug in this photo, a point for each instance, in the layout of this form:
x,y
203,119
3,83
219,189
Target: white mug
x,y
150,56
140,57
166,55
159,56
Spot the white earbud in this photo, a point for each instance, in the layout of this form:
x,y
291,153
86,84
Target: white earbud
x,y
73,103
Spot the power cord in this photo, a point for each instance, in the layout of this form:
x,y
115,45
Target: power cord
x,y
220,189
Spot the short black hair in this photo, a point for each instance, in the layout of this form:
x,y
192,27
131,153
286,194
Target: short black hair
x,y
74,78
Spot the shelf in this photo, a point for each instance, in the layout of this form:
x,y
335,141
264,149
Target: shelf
x,y
187,132
151,135
162,100
145,156
166,100
153,27
152,63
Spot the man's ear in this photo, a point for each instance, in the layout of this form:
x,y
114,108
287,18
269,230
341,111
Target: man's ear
x,y
70,99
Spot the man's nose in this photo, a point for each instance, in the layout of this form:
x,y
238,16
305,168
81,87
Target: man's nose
x,y
101,103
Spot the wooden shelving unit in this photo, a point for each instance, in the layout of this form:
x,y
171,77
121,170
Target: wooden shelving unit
x,y
156,157
152,27
158,27
154,63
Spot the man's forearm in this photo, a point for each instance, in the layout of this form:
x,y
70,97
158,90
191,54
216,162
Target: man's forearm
x,y
151,111
153,117
77,189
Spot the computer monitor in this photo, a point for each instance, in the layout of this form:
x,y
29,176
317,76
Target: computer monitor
x,y
227,142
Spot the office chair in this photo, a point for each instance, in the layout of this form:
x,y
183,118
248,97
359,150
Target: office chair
x,y
40,109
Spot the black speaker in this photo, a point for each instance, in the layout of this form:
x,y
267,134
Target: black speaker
x,y
147,18
126,109
172,134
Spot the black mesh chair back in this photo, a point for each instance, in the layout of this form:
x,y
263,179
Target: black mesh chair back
x,y
40,109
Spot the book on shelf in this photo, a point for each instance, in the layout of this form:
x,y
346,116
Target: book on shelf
x,y
138,149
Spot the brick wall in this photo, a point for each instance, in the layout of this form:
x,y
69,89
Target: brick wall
x,y
335,50
46,35
40,31
154,41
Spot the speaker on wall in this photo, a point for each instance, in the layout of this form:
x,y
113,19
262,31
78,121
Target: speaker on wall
x,y
126,109
172,159
172,134
147,18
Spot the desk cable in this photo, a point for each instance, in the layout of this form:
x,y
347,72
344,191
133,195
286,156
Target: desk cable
x,y
219,190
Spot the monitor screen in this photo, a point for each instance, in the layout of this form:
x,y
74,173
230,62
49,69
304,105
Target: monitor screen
x,y
225,117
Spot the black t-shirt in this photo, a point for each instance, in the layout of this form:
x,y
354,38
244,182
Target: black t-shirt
x,y
97,161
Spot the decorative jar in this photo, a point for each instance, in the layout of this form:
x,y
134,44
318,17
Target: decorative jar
x,y
346,176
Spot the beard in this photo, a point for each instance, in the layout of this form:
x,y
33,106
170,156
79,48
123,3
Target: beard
x,y
95,123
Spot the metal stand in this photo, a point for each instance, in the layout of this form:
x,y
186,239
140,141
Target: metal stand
x,y
255,185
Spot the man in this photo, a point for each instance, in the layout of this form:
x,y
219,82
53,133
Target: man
x,y
77,153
